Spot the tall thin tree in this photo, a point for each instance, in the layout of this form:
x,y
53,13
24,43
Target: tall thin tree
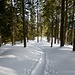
x,y
12,25
62,24
24,25
74,30
37,24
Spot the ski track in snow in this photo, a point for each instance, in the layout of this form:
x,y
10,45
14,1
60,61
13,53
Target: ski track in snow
x,y
17,61
37,59
40,66
8,53
47,66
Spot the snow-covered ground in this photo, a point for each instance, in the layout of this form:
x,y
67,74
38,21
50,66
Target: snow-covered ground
x,y
37,59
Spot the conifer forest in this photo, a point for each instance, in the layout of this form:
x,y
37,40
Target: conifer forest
x,y
23,20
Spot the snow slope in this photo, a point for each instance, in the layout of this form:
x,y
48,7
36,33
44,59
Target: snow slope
x,y
17,60
37,59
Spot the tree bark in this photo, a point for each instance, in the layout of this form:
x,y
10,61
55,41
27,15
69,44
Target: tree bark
x,y
66,22
74,27
24,25
12,25
37,24
0,41
74,41
52,32
62,24
72,31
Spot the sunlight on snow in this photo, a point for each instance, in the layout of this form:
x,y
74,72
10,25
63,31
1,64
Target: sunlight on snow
x,y
7,71
66,48
30,58
40,60
8,56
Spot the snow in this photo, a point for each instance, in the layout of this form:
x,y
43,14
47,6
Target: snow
x,y
39,68
37,59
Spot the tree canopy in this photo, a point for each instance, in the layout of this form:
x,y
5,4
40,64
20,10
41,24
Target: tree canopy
x,y
33,18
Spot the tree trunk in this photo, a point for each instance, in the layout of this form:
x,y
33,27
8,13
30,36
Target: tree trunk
x,y
62,24
58,34
37,24
12,25
74,41
41,27
41,33
56,30
66,22
72,33
0,41
0,37
48,33
52,32
74,27
24,25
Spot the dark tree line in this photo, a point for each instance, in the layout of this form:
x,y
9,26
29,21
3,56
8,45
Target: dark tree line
x,y
23,20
